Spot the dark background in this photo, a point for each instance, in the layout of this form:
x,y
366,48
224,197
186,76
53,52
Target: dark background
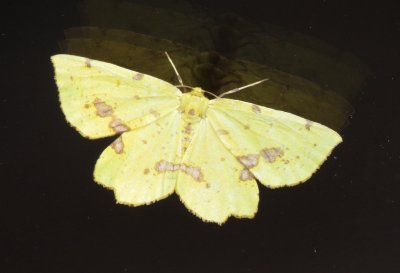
x,y
56,219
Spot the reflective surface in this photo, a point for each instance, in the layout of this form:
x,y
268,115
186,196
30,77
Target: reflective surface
x,y
344,219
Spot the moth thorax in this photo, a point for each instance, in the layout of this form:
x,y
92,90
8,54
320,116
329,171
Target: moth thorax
x,y
194,104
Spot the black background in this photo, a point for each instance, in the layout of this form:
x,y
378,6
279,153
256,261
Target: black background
x,y
56,219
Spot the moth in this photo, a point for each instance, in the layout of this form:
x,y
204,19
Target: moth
x,y
209,152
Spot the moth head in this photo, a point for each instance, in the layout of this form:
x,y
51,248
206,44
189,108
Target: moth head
x,y
197,91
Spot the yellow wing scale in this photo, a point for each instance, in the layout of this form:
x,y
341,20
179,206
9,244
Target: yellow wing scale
x,y
129,164
218,191
208,152
279,148
102,99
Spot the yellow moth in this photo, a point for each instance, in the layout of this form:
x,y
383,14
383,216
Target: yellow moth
x,y
210,152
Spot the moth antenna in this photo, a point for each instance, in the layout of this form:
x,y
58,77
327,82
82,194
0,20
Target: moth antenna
x,y
184,86
241,88
191,87
176,71
211,93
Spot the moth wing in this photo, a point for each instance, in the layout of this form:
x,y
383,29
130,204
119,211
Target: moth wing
x,y
279,148
130,165
212,183
102,99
